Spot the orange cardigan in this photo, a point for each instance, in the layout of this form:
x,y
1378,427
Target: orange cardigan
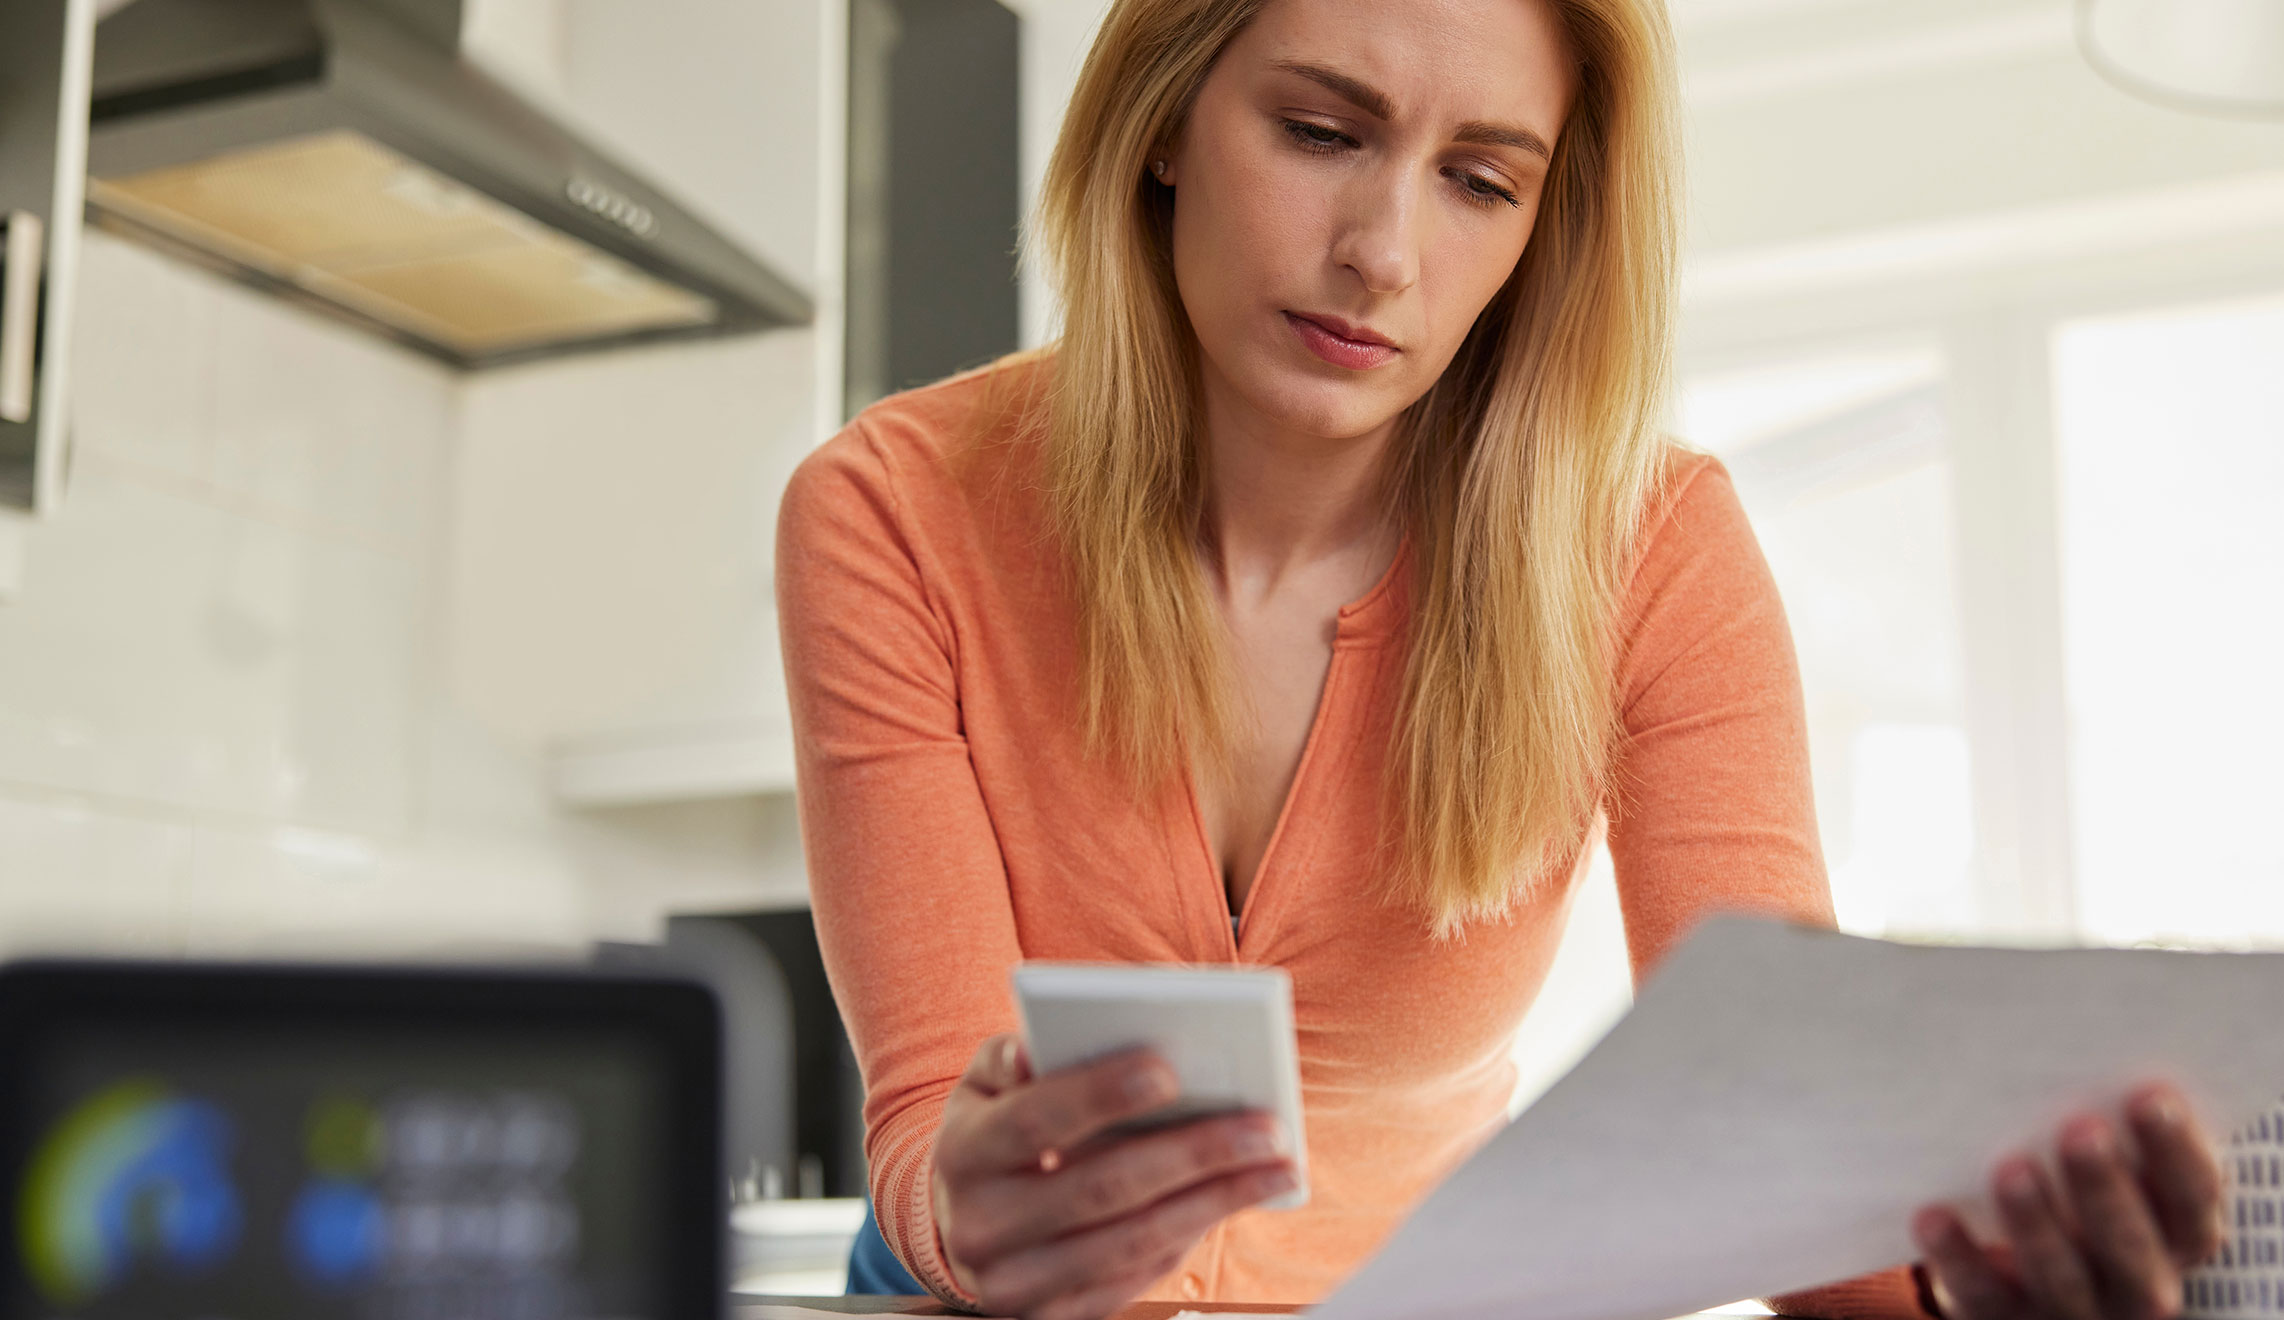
x,y
954,826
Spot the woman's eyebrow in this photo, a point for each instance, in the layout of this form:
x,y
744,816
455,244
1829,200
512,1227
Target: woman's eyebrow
x,y
1376,103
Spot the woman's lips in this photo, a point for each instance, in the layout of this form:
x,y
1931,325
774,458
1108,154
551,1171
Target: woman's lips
x,y
1336,350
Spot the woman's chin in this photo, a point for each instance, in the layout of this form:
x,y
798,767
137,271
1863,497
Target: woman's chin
x,y
1307,402
1335,414
1309,396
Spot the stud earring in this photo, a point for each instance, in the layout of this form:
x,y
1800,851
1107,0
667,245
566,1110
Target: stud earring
x,y
1158,167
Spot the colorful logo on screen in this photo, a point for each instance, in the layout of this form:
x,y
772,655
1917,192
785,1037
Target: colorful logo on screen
x,y
134,1175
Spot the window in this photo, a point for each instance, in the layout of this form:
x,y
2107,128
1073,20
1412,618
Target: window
x,y
1843,463
2169,437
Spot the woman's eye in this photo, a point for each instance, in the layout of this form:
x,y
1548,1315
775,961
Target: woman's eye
x,y
1489,191
1318,138
1305,133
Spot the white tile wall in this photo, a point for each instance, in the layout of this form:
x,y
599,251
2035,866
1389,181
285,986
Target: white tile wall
x,y
77,876
610,544
284,666
311,893
143,389
188,656
219,729
325,428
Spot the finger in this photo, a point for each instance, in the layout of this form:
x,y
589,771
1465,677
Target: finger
x,y
2052,1271
1122,1177
2180,1172
2125,1250
1056,1111
1096,1303
1142,1243
1077,1263
997,1065
1967,1286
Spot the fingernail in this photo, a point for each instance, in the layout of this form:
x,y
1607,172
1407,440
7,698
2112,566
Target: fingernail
x,y
1927,1229
1256,1145
2089,1139
2161,1107
2018,1184
1150,1086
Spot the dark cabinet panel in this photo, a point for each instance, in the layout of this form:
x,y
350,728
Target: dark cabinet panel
x,y
934,191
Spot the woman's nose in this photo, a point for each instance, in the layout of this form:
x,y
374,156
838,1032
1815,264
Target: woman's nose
x,y
1380,240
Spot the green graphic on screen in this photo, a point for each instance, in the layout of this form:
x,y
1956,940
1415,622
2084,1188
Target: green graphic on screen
x,y
136,1176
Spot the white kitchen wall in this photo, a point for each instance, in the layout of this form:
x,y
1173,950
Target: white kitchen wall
x,y
285,668
610,571
220,728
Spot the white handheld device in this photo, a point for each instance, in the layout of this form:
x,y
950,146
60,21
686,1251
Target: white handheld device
x,y
1226,1031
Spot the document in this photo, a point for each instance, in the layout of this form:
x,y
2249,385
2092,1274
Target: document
x,y
1781,1099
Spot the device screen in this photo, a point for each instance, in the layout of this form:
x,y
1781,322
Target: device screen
x,y
375,1173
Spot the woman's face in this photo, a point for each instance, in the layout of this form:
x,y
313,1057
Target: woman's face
x,y
1375,161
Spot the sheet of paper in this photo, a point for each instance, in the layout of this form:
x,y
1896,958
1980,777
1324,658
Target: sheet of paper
x,y
1779,1101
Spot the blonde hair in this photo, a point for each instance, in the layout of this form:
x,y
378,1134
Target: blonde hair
x,y
1521,475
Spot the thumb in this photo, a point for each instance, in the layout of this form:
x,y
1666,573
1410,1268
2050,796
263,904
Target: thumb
x,y
1000,1063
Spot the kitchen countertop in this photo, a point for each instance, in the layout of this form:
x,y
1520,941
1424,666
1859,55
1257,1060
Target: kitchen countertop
x,y
749,1306
755,1306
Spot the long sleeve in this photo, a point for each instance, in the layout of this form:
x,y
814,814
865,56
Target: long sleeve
x,y
1713,806
907,882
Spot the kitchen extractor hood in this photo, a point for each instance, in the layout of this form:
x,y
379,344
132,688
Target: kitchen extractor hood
x,y
343,154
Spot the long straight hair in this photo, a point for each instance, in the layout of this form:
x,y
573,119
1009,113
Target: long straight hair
x,y
1521,475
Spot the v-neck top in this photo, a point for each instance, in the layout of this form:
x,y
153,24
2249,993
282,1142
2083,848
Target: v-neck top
x,y
954,824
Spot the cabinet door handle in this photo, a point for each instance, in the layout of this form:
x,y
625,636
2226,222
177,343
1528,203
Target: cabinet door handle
x,y
19,313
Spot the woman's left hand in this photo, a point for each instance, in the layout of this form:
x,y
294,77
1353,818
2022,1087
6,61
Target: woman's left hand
x,y
2108,1243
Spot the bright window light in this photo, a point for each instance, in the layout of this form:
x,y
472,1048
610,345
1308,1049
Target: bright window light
x,y
1843,464
2170,438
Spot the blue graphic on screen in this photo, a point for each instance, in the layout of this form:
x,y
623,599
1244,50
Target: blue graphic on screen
x,y
337,1230
135,1173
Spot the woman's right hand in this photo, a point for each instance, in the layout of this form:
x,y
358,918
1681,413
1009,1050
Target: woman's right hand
x,y
1043,1215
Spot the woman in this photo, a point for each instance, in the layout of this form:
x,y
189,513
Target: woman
x,y
1313,602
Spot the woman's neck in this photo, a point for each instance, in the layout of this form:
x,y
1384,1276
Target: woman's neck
x,y
1279,502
